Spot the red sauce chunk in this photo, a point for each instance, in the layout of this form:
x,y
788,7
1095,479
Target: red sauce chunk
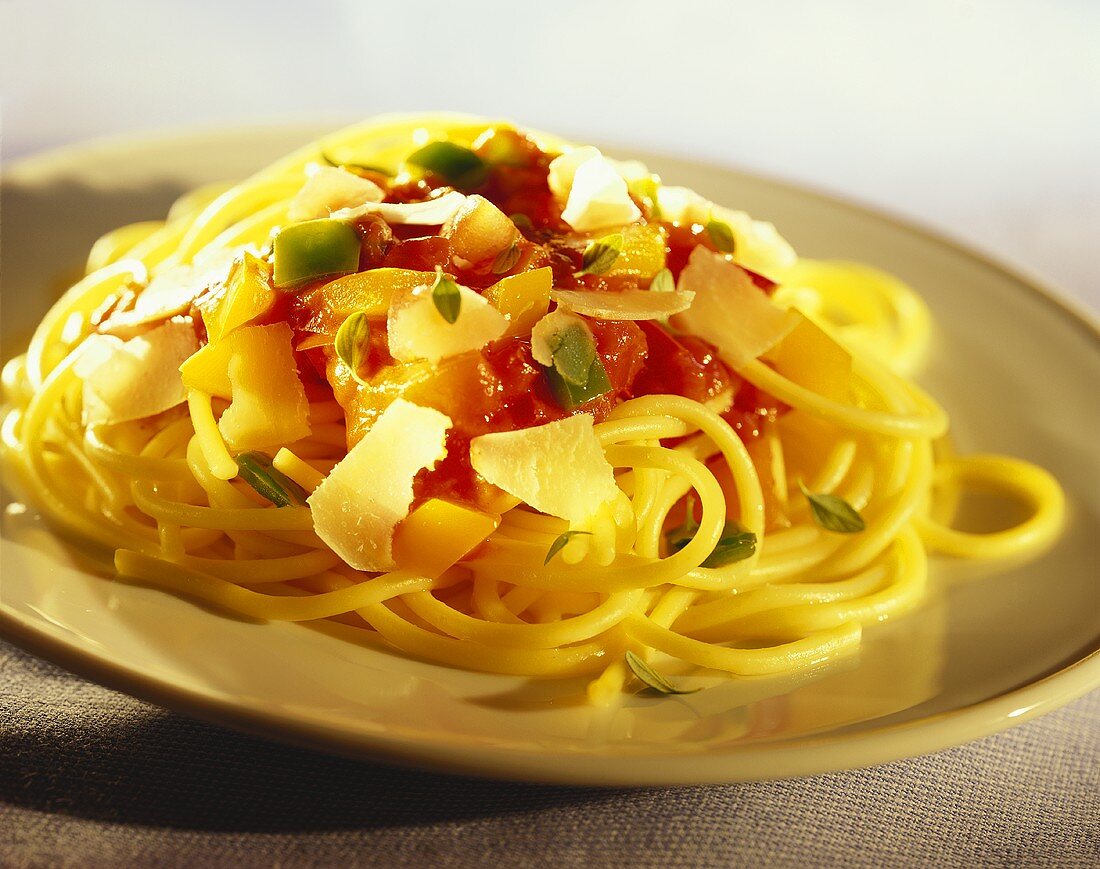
x,y
501,387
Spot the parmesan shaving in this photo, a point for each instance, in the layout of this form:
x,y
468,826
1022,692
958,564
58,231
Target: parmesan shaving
x,y
330,189
625,305
128,380
558,468
172,290
430,212
729,310
358,505
417,330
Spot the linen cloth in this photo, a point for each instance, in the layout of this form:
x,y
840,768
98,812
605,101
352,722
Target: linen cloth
x,y
90,777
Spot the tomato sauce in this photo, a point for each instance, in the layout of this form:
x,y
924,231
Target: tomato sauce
x,y
502,387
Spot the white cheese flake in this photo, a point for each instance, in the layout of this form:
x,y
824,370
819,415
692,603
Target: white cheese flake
x,y
128,380
598,198
729,310
757,243
416,329
430,212
562,168
330,189
359,504
173,288
624,305
558,468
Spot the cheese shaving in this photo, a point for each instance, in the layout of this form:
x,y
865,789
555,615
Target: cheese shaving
x,y
624,305
430,212
558,468
729,310
330,189
358,505
128,380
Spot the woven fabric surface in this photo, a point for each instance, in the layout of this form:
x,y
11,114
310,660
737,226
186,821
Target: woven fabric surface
x,y
90,777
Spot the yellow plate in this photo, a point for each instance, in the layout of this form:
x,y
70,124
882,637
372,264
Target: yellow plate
x,y
994,645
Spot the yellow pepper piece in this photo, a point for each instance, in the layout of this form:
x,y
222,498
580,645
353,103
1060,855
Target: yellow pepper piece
x,y
437,534
371,291
254,367
247,296
642,254
522,298
810,358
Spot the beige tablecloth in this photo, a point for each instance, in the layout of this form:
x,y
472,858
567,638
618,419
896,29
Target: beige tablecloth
x,y
89,777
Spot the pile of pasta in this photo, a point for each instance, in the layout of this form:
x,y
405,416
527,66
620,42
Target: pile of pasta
x,y
245,402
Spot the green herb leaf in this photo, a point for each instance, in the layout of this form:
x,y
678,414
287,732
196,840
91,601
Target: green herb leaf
x,y
522,222
735,544
352,342
256,470
722,236
354,166
570,396
506,260
600,255
458,166
652,678
574,350
559,544
645,189
446,297
833,513
663,282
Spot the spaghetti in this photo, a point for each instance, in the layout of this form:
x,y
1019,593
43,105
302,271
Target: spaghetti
x,y
818,469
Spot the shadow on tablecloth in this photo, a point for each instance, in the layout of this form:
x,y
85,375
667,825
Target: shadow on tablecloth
x,y
131,762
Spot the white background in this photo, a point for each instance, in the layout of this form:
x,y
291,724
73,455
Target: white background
x,y
975,116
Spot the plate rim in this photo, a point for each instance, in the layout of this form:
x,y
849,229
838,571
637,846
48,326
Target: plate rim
x,y
812,755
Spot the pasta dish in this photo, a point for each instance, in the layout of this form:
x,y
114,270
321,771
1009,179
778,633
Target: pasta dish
x,y
508,403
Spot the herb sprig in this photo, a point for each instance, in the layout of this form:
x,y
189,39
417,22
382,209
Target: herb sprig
x,y
832,512
652,678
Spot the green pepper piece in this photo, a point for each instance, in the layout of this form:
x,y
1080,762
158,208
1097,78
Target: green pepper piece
x,y
458,166
314,249
570,395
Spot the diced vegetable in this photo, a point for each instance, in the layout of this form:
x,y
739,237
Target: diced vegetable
x,y
253,367
247,295
625,305
480,231
127,380
458,166
370,292
419,330
437,534
359,504
522,298
558,468
729,311
314,249
809,357
643,252
330,189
